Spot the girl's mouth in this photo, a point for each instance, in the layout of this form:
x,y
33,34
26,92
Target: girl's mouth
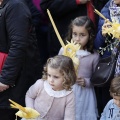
x,y
51,84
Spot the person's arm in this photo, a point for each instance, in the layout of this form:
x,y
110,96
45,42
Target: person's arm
x,y
94,64
100,39
95,61
82,1
17,26
105,111
103,115
59,7
36,14
32,93
70,108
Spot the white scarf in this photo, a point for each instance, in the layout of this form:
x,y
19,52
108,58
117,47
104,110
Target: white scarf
x,y
114,12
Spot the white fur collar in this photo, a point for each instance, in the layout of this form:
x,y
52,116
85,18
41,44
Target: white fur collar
x,y
51,92
82,53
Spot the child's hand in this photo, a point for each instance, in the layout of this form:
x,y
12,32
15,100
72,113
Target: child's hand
x,y
106,24
81,82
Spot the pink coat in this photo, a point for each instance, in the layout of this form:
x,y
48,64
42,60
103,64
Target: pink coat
x,y
49,107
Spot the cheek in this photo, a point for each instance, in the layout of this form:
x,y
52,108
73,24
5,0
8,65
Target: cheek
x,y
85,40
60,82
117,2
74,39
48,80
115,102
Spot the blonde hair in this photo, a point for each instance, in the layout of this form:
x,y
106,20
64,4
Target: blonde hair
x,y
66,67
115,87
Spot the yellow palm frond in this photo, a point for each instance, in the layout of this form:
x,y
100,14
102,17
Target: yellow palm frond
x,y
70,50
24,112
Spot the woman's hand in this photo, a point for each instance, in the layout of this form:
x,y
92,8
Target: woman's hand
x,y
3,87
84,1
81,82
106,24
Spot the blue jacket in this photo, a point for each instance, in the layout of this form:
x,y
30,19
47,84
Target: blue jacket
x,y
111,112
100,40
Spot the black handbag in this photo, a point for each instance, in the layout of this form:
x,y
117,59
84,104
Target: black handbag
x,y
104,71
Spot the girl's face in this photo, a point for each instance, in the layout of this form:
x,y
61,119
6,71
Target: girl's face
x,y
55,78
80,35
116,100
117,2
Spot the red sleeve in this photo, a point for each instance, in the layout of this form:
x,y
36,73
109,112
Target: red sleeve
x,y
78,2
90,11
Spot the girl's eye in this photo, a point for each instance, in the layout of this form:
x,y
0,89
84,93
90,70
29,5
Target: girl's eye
x,y
81,35
74,34
48,75
56,77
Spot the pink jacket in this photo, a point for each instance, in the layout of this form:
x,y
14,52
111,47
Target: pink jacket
x,y
49,107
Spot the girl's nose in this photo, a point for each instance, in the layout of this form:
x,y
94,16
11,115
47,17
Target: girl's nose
x,y
77,38
51,80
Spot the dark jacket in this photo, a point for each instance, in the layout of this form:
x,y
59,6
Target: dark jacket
x,y
17,38
99,4
63,12
100,40
36,14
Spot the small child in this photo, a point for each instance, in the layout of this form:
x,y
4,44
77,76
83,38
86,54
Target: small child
x,y
52,95
82,32
112,109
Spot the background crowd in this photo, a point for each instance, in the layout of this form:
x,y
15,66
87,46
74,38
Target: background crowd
x,y
28,37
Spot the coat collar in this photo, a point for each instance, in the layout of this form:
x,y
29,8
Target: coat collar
x,y
57,94
82,53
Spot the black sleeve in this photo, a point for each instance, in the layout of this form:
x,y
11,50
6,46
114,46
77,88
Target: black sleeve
x,y
36,14
58,7
17,18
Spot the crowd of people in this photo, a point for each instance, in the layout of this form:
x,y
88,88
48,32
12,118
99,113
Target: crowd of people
x,y
35,72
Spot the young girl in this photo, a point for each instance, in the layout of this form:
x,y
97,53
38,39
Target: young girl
x,y
52,96
112,109
82,32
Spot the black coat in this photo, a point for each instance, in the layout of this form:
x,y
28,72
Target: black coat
x,y
36,14
63,11
17,38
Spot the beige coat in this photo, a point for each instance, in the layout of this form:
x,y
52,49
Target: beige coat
x,y
50,108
